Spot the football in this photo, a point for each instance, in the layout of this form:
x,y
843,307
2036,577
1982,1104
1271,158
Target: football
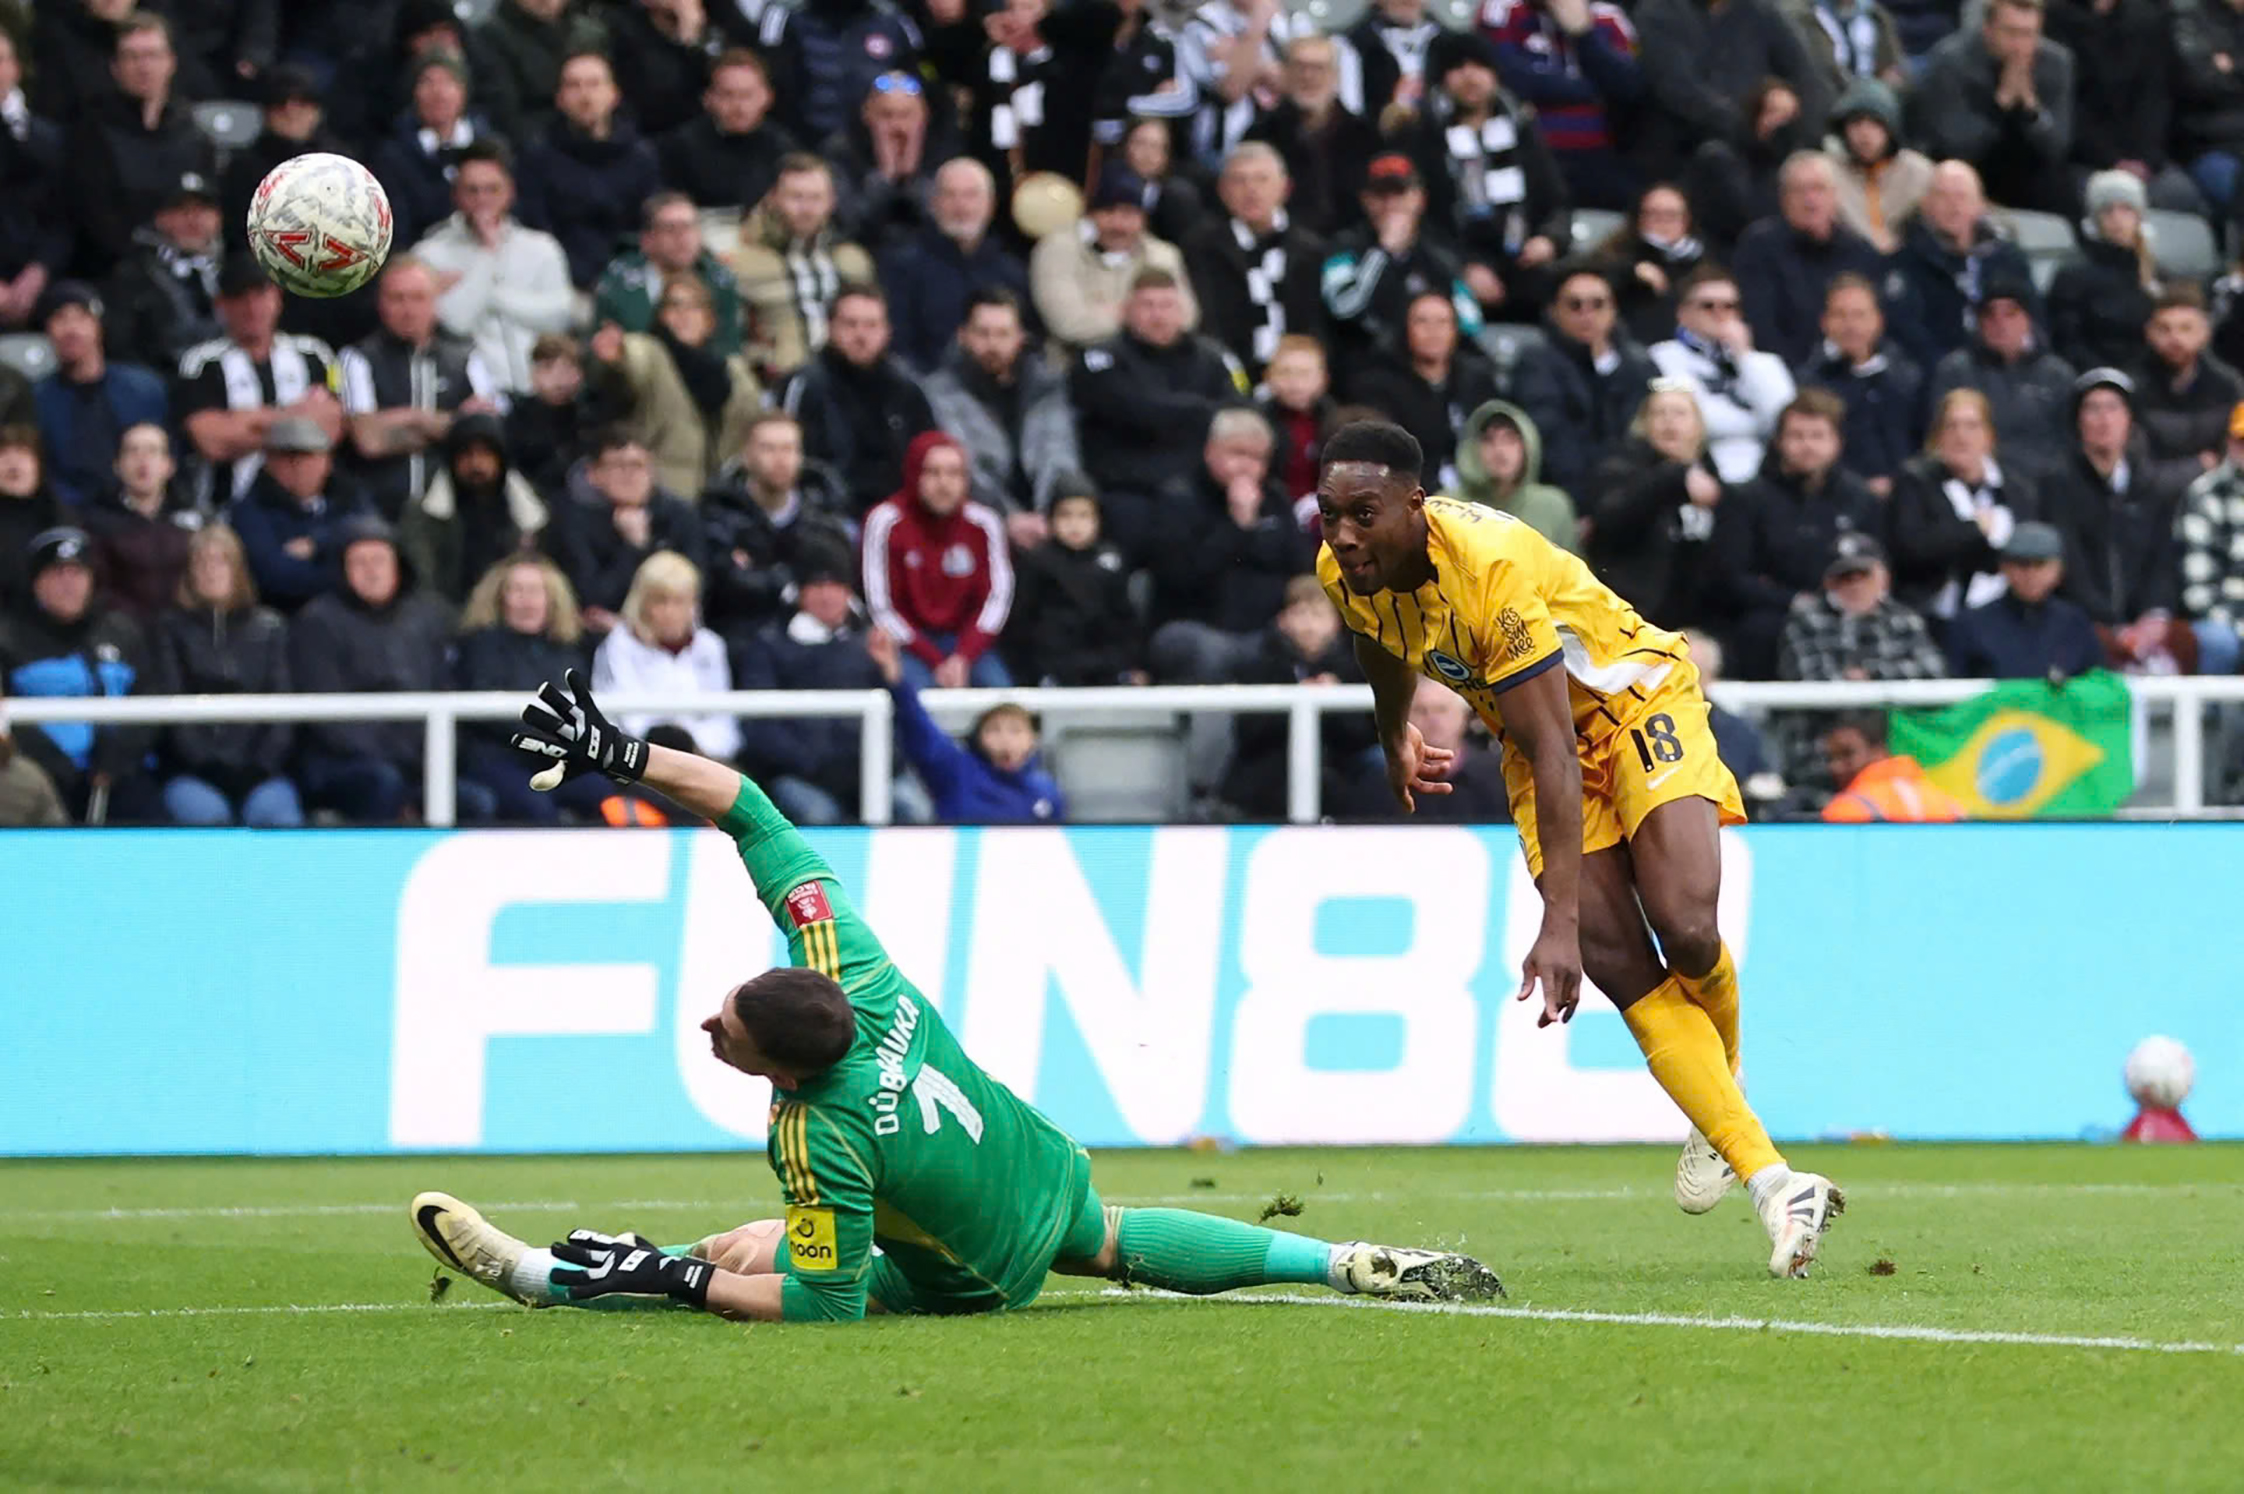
x,y
320,225
2160,1073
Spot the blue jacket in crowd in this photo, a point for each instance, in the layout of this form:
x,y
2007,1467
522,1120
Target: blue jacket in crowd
x,y
80,425
966,788
2006,639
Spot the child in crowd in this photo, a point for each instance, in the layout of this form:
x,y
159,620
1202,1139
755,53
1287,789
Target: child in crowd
x,y
1073,621
1298,404
998,780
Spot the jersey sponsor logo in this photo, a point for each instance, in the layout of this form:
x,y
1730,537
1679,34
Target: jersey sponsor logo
x,y
810,1240
1518,642
1448,668
807,905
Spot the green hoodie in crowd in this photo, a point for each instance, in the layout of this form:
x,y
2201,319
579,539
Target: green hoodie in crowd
x,y
1544,508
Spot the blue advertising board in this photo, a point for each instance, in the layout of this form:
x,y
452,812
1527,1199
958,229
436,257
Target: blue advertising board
x,y
353,992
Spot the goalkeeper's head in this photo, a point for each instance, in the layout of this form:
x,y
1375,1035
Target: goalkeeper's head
x,y
788,1025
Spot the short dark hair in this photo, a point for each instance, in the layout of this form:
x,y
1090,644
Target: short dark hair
x,y
2179,295
1848,280
993,295
796,162
613,438
490,149
1871,725
1816,404
653,206
1379,442
1708,273
859,290
1153,277
739,57
140,21
799,1019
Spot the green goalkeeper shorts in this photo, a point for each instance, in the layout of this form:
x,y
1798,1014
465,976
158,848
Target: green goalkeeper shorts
x,y
937,1288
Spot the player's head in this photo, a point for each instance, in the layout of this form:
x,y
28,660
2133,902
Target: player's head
x,y
1372,505
787,1025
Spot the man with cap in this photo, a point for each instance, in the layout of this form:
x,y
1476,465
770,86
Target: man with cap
x,y
67,644
231,389
374,632
404,385
2116,508
131,149
288,520
2028,386
1850,628
2211,531
163,298
2029,632
1374,271
1081,275
295,123
88,403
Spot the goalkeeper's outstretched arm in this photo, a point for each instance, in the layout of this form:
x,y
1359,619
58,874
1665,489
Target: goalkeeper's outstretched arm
x,y
702,785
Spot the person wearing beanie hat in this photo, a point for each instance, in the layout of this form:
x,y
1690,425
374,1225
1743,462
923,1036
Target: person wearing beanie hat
x,y
1080,276
415,164
2100,302
1880,180
1075,623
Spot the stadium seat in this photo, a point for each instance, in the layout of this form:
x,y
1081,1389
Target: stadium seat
x,y
2047,241
2184,244
1331,16
1505,344
28,353
1593,226
230,123
1457,15
1127,769
474,12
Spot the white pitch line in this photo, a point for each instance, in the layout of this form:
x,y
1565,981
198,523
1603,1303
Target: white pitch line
x,y
283,1309
1904,1332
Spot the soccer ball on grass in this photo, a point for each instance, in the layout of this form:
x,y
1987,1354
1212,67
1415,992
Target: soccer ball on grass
x,y
320,225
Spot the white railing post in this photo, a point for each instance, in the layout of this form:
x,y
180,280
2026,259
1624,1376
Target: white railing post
x,y
440,788
1304,760
2189,750
876,771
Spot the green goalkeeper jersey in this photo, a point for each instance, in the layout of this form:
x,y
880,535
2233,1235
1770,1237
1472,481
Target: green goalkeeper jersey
x,y
905,1143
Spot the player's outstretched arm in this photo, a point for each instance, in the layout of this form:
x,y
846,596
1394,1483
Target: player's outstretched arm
x,y
1413,768
1540,722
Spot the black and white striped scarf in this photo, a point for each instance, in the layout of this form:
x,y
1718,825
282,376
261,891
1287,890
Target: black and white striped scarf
x,y
1266,278
1485,162
1017,88
814,282
1854,38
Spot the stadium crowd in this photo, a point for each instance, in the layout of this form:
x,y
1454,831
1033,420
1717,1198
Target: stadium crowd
x,y
923,344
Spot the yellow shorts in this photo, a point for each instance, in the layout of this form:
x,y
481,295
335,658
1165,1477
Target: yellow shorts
x,y
1664,752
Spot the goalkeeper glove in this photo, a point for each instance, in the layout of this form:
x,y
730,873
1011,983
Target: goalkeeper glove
x,y
569,729
592,1264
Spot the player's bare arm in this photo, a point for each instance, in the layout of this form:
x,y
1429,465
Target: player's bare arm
x,y
1539,722
1413,767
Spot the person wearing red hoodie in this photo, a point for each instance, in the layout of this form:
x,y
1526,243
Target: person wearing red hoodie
x,y
938,577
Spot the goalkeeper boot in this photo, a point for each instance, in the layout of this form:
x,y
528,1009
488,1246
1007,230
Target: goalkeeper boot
x,y
470,1244
1406,1275
1701,1176
1797,1214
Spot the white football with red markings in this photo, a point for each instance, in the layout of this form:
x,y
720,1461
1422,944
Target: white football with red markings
x,y
320,225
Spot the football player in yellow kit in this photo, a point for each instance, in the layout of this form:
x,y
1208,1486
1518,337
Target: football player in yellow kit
x,y
1612,773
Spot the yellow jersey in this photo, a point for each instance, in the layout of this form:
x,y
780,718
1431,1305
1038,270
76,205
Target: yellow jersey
x,y
1505,604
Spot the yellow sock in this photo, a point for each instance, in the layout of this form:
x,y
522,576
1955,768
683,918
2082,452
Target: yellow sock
x,y
1685,1055
1716,994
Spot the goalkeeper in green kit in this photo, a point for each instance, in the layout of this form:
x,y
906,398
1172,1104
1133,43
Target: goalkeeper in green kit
x,y
914,1182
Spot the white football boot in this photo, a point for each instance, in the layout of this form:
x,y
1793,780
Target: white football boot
x,y
1405,1275
470,1244
1702,1178
1797,1215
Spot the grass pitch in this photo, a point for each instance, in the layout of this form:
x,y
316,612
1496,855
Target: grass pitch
x,y
2039,1319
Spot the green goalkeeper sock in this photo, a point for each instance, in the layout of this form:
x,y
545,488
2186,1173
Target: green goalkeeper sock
x,y
1181,1251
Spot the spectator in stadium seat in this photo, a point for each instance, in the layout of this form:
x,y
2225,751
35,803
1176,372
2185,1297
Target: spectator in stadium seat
x,y
2124,82
141,524
1299,405
374,633
658,646
519,628
404,387
1383,57
662,50
1576,63
231,390
2183,393
291,519
810,764
2117,510
2211,532
1785,264
1138,75
66,642
885,160
418,164
294,124
1476,772
87,403
998,780
27,795
1229,544
548,426
1082,275
1254,270
1143,399
1953,508
1773,538
1074,622
1880,180
1651,510
1883,389
130,149
859,406
1733,184
475,511
1702,64
1648,259
938,573
587,182
1583,382
1304,645
2027,385
28,508
523,44
684,400
728,155
2100,303
834,48
1428,386
2028,632
1327,147
1875,785
2208,123
1741,390
670,248
933,275
2001,97
1376,272
214,639
613,518
35,234
73,48
1009,409
1948,252
163,299
499,284
1500,466
766,515
791,266
1850,628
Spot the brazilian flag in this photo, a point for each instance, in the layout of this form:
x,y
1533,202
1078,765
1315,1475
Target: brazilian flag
x,y
2028,748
